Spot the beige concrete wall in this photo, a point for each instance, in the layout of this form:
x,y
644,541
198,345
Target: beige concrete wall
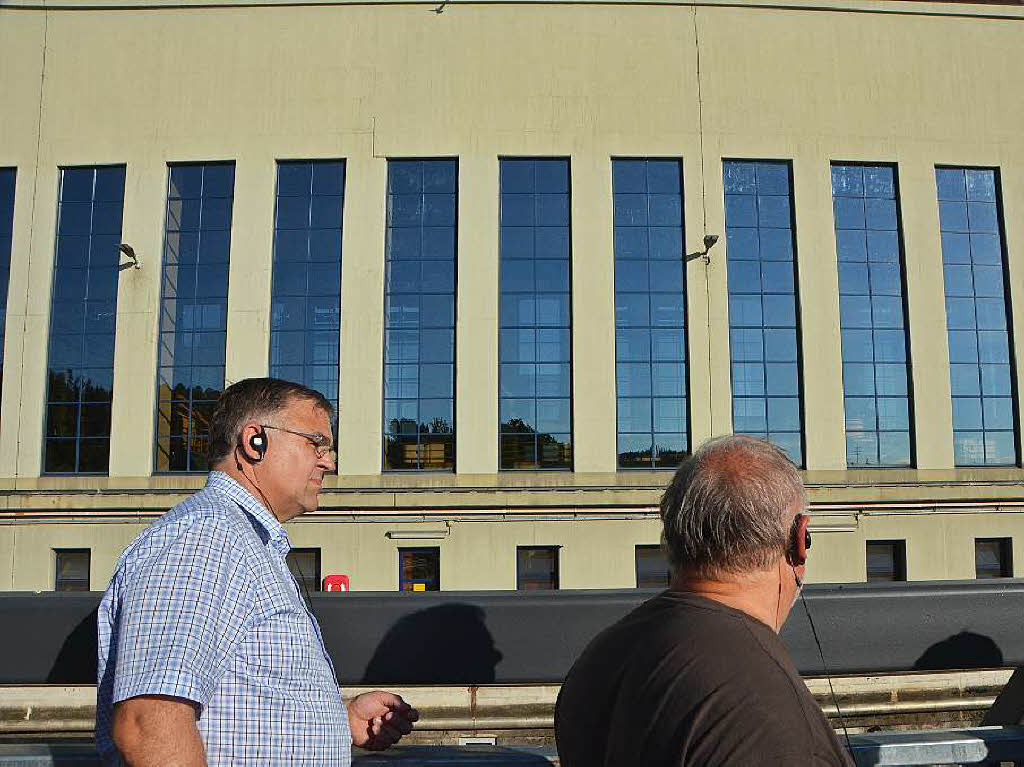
x,y
481,553
26,552
837,82
148,87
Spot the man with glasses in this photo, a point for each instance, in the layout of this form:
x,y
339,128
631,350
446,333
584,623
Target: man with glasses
x,y
208,653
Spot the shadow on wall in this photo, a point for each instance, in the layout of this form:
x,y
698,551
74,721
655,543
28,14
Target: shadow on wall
x,y
963,650
447,644
76,661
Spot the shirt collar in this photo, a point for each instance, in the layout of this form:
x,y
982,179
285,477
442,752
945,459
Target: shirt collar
x,y
272,529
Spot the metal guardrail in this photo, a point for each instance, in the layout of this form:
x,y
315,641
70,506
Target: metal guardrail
x,y
978,746
981,745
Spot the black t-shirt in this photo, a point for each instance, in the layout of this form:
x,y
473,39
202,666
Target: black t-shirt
x,y
684,680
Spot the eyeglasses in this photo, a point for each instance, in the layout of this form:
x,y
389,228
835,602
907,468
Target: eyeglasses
x,y
322,444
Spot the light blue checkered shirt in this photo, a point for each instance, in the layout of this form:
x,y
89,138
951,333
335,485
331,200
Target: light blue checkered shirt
x,y
202,606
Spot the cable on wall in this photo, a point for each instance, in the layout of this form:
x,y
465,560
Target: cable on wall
x,y
704,207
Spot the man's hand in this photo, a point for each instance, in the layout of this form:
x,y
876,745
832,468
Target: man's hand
x,y
379,719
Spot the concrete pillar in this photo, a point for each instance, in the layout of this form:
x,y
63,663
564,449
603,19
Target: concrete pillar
x,y
476,334
362,316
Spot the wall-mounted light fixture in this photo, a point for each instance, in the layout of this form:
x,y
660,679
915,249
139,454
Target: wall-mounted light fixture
x,y
129,251
709,243
411,535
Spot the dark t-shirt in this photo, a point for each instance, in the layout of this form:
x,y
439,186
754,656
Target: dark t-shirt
x,y
683,680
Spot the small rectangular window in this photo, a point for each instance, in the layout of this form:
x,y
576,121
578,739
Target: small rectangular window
x,y
651,567
536,568
993,557
71,572
305,566
887,560
419,569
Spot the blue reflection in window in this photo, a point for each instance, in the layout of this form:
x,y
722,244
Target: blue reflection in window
x,y
83,308
306,287
419,315
977,318
763,325
193,316
7,179
534,380
871,312
650,314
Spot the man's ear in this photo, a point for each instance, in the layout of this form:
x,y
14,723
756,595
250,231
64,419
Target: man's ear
x,y
252,442
799,542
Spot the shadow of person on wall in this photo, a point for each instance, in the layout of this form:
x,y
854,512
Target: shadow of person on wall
x,y
447,644
963,650
76,661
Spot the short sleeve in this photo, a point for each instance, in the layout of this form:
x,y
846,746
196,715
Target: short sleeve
x,y
183,612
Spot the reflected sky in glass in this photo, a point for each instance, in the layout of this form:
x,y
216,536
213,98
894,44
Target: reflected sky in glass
x,y
419,315
305,301
83,308
876,395
763,321
534,376
977,318
193,310
650,314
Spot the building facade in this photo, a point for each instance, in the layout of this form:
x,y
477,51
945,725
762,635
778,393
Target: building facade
x,y
482,230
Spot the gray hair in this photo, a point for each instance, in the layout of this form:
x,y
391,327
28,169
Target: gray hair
x,y
254,399
729,506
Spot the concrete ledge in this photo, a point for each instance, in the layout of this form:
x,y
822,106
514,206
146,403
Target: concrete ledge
x,y
71,709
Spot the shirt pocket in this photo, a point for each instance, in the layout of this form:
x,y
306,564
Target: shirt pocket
x,y
284,651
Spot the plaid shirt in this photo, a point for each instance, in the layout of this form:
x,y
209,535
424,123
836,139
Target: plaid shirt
x,y
202,606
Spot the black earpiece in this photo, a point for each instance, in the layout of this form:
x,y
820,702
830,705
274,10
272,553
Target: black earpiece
x,y
258,442
794,547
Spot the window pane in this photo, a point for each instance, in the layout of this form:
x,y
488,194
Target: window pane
x,y
71,569
871,314
887,560
193,317
83,308
649,295
306,285
762,303
652,570
993,557
304,565
536,568
419,569
534,311
984,397
419,320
